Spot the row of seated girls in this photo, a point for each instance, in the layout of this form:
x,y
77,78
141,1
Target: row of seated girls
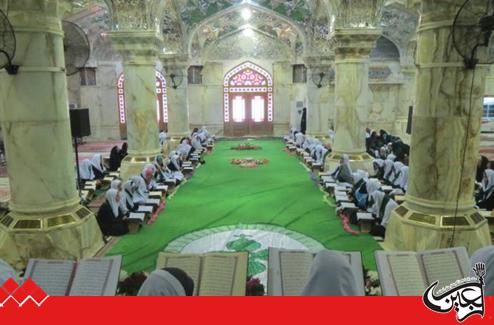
x,y
315,147
367,192
123,198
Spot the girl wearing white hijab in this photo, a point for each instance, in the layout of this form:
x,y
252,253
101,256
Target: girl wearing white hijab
x,y
110,217
486,256
299,139
403,181
320,153
175,167
98,169
127,199
397,166
378,168
141,193
116,184
373,185
343,173
86,170
7,272
486,200
167,282
382,206
389,168
331,275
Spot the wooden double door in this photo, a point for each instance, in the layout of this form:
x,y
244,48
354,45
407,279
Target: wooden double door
x,y
248,115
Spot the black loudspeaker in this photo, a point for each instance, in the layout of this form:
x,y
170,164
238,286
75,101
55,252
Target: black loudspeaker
x,y
79,122
410,120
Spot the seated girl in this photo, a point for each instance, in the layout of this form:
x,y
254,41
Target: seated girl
x,y
86,170
110,217
343,173
98,168
485,199
331,275
381,206
127,198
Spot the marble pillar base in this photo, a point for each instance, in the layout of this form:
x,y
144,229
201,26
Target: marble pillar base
x,y
414,231
133,165
361,161
70,233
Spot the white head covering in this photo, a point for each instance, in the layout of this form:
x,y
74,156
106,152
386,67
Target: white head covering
x,y
128,192
7,272
488,186
330,275
359,175
346,161
403,179
378,198
161,283
115,184
486,256
397,172
379,162
97,162
391,157
373,185
111,198
388,169
86,170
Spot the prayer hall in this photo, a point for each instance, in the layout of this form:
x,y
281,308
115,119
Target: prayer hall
x,y
247,147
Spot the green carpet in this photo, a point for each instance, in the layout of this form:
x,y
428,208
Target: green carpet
x,y
220,194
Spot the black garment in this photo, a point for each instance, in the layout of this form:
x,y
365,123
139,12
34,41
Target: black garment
x,y
97,173
184,279
303,121
130,206
109,225
115,159
171,166
123,151
484,162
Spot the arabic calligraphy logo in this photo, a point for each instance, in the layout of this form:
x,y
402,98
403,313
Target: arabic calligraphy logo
x,y
465,296
21,294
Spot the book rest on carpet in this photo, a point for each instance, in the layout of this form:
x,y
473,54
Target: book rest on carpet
x,y
365,221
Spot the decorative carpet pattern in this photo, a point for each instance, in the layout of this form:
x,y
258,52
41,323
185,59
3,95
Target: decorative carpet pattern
x,y
220,194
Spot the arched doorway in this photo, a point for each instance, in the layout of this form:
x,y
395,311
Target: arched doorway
x,y
161,103
248,101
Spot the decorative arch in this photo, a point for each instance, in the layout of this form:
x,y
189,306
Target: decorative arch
x,y
251,86
161,103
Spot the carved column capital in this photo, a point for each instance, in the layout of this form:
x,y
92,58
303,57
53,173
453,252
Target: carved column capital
x,y
355,43
144,15
137,47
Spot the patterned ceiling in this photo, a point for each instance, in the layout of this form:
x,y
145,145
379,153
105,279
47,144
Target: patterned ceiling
x,y
191,26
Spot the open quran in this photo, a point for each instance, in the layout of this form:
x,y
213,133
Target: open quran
x,y
288,270
214,274
88,277
410,273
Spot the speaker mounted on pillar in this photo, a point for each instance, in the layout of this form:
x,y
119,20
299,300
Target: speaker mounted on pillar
x,y
79,122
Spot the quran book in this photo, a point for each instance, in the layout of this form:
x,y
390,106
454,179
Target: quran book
x,y
288,271
163,188
410,273
137,217
147,209
214,274
387,188
156,194
88,277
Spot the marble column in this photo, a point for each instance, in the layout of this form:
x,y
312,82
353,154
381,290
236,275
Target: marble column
x,y
443,133
352,95
317,125
407,99
45,218
139,50
178,100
